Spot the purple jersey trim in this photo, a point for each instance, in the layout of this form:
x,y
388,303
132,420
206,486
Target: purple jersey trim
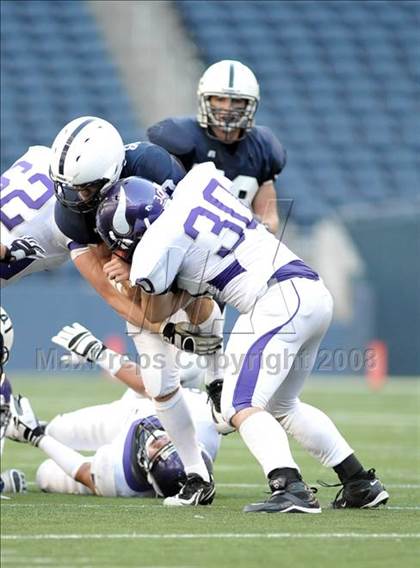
x,y
73,246
248,376
229,273
294,269
7,271
132,482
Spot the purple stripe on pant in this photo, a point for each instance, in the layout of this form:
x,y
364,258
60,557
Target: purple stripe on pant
x,y
248,377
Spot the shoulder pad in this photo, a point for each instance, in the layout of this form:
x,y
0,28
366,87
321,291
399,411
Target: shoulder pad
x,y
277,154
174,134
153,163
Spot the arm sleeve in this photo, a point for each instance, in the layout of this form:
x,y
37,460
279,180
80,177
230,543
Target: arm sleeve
x,y
78,228
276,155
157,259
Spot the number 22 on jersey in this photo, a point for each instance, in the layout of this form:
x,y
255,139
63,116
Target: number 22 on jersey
x,y
24,191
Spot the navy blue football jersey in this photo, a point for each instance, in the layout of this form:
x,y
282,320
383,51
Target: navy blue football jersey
x,y
142,159
257,158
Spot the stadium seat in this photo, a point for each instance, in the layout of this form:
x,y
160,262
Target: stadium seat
x,y
338,85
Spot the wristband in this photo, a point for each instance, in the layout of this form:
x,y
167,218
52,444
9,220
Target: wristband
x,y
111,362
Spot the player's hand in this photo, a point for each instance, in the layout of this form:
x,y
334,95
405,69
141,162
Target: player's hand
x,y
24,426
80,341
24,247
117,269
186,336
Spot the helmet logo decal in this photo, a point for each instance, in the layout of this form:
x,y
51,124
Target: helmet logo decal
x,y
231,75
68,143
119,220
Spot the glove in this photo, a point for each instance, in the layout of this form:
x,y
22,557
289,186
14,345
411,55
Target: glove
x,y
24,247
186,336
24,426
80,341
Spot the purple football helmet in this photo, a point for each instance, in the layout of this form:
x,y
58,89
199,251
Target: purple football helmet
x,y
159,459
5,414
129,208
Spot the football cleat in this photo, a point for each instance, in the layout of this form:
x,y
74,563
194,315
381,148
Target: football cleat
x,y
194,492
13,481
214,392
365,492
287,497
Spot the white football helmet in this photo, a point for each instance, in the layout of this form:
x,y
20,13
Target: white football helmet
x,y
230,79
6,336
88,155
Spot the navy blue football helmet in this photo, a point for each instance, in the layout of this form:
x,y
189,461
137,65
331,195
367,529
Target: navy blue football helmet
x,y
158,458
128,209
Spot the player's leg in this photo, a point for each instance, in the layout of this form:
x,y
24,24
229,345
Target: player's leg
x,y
249,387
161,379
50,478
87,429
318,435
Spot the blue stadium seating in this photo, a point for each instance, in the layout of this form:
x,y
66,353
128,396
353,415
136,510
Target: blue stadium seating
x,y
55,67
339,84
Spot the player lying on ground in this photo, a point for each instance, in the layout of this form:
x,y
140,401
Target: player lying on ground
x,y
205,241
139,461
11,480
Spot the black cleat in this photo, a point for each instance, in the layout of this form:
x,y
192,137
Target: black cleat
x,y
214,392
194,492
364,492
287,497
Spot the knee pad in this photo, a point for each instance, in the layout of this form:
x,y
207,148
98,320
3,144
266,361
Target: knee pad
x,y
50,478
191,374
160,383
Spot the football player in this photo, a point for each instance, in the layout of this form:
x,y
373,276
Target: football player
x,y
88,155
11,480
140,461
206,241
225,133
28,207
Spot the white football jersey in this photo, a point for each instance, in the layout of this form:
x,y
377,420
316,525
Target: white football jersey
x,y
207,241
27,209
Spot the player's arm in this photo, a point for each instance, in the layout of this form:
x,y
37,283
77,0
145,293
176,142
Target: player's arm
x,y
90,265
275,157
264,206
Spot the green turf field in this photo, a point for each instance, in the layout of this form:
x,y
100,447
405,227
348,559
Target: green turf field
x,y
53,530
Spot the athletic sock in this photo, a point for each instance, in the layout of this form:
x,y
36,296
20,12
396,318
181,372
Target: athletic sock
x,y
348,469
267,441
176,419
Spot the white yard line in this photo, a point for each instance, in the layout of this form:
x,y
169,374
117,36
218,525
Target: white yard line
x,y
262,485
190,536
